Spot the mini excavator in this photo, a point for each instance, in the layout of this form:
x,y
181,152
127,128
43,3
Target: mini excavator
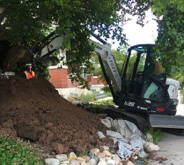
x,y
138,92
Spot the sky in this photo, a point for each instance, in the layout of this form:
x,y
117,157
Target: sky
x,y
140,35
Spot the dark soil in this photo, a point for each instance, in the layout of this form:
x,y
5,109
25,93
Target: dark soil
x,y
33,110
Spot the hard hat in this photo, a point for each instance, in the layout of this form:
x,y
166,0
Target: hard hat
x,y
28,64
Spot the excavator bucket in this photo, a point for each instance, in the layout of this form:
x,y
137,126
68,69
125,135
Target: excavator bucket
x,y
166,121
16,55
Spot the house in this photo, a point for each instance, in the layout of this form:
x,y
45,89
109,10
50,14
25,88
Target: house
x,y
59,78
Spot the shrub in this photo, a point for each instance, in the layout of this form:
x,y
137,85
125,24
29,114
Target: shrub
x,y
156,134
88,97
18,152
107,91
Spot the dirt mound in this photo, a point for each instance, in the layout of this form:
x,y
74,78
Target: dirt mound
x,y
33,109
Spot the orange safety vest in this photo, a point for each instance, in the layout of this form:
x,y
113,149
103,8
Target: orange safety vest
x,y
158,67
29,75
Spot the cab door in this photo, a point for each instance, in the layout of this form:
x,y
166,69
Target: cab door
x,y
134,72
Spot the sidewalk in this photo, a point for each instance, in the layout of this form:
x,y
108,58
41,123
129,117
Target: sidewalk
x,y
171,151
180,110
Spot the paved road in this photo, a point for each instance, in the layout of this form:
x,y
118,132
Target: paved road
x,y
171,147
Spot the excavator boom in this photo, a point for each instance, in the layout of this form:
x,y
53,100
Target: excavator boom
x,y
52,43
105,53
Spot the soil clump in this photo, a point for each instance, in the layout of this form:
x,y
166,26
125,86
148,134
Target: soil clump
x,y
33,110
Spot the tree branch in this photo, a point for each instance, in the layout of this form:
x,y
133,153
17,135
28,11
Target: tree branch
x,y
30,21
3,14
30,1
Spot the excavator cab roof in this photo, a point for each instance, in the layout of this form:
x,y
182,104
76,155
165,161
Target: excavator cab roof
x,y
141,47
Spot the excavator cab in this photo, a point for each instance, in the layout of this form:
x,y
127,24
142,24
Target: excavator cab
x,y
144,73
145,88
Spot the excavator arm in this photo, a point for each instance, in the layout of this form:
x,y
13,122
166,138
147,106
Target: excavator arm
x,y
106,55
102,50
47,46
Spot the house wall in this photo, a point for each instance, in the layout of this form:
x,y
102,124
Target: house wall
x,y
65,87
95,80
59,78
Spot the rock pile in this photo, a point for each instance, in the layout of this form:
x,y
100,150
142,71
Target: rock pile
x,y
96,156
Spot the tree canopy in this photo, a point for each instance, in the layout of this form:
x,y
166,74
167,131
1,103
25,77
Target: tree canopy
x,y
170,41
29,20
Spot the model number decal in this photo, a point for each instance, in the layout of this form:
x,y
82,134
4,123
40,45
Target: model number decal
x,y
129,103
142,108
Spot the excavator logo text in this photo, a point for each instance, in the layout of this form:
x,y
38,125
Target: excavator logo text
x,y
129,103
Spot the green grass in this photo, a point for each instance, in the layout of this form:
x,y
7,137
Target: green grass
x,y
18,152
156,134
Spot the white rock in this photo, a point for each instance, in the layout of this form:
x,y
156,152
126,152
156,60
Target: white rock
x,y
65,162
86,158
120,163
142,155
105,147
84,163
74,162
76,102
126,158
80,160
52,161
101,155
72,156
102,162
129,163
115,156
150,147
107,153
134,158
95,157
149,137
132,154
95,151
110,162
85,103
137,152
106,158
117,161
92,162
61,157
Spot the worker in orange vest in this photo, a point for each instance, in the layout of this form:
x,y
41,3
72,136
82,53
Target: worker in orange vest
x,y
155,67
28,73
